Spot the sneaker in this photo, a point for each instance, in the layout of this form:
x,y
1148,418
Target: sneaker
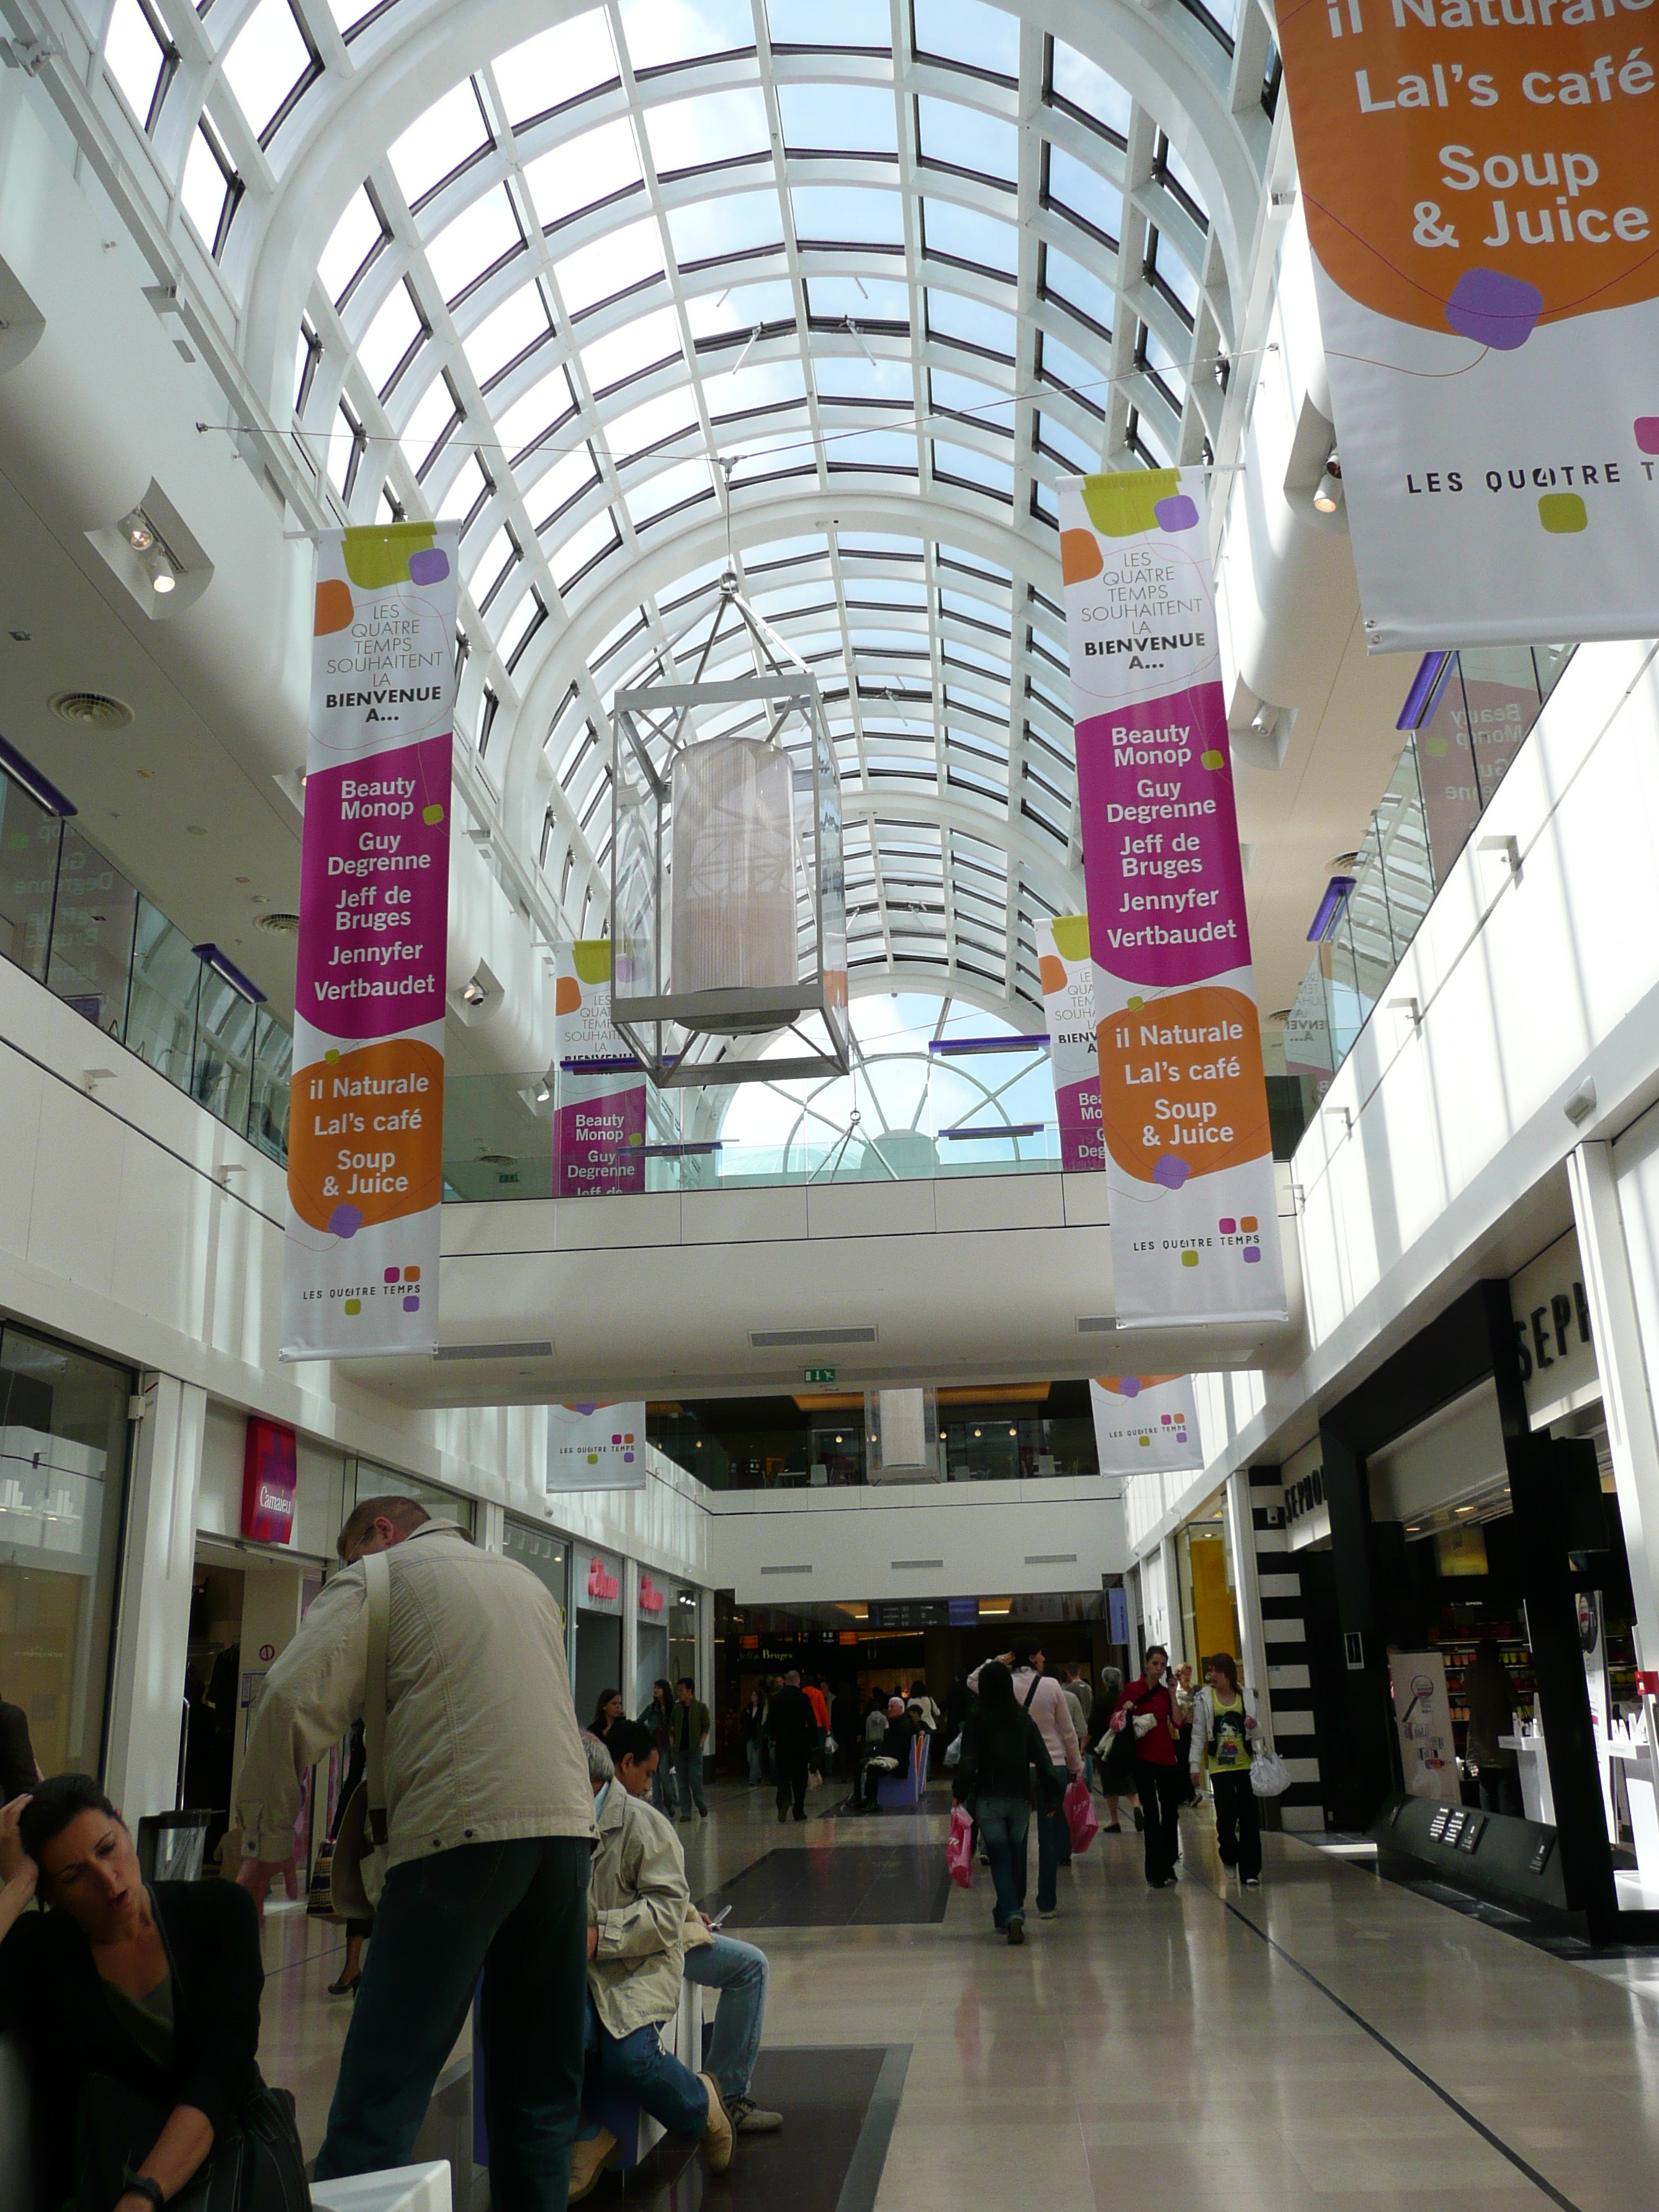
x,y
719,2138
1017,1931
1113,1828
1139,1819
587,2162
1168,1882
1252,1882
750,2118
1048,1915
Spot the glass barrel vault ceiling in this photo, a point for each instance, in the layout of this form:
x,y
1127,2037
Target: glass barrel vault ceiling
x,y
675,283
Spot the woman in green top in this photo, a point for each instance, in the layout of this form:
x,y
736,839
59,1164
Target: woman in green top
x,y
1223,1725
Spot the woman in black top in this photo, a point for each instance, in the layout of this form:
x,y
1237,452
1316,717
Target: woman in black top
x,y
1001,1744
140,2010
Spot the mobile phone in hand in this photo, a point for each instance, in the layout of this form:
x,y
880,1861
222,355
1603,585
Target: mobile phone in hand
x,y
722,1917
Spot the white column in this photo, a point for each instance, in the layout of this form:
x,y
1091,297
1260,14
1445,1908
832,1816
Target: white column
x,y
152,1632
1175,1626
630,1665
1626,1399
1247,1586
491,1529
706,1654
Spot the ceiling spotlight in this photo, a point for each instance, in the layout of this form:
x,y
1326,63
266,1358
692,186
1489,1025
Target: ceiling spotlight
x,y
474,993
158,567
137,530
1328,496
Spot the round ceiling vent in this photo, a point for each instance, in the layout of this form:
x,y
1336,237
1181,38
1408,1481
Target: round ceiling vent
x,y
92,710
279,925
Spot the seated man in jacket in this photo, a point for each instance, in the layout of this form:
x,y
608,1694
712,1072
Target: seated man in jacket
x,y
638,1901
893,1757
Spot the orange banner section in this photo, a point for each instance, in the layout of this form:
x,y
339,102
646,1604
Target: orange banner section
x,y
1182,1084
366,1135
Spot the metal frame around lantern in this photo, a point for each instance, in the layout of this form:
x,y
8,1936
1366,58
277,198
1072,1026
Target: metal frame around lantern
x,y
706,1023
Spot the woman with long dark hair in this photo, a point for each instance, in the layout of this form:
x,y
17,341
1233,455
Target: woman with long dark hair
x,y
139,2007
1146,1712
1001,1745
610,1708
659,1718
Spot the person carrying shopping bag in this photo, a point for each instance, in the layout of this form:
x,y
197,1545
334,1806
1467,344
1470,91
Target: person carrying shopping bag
x,y
1224,1722
1001,1747
1147,1709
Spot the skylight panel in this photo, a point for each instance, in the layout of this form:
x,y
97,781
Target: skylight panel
x,y
557,66
469,487
850,376
1080,190
266,62
613,263
490,563
894,450
966,395
1171,272
1177,174
952,315
349,14
1071,453
479,237
866,299
582,172
355,240
843,119
210,185
968,235
1158,357
965,137
660,32
640,344
741,307
968,33
716,126
967,464
851,23
900,592
141,58
595,537
1086,379
671,415
878,544
448,136
507,332
515,629
389,338
758,384
570,476
1083,86
428,419
734,222
669,487
1079,289
848,215
535,411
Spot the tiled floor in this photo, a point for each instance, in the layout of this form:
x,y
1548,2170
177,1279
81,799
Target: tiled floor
x,y
1153,2047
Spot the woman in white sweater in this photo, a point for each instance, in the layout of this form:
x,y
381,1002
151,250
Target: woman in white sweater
x,y
1224,1722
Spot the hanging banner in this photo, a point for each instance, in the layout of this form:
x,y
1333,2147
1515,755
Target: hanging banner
x,y
1145,1424
1184,1098
598,1121
1482,211
1068,1002
364,1164
596,1446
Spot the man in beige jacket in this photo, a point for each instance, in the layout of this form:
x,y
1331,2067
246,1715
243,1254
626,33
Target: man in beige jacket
x,y
491,1823
641,1920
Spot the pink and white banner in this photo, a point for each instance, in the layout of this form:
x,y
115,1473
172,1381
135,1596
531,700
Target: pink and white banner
x,y
365,1163
1145,1424
599,1119
1068,1003
1183,1099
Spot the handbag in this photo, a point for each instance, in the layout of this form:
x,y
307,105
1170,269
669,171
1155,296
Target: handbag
x,y
357,1874
959,1848
1144,1724
1269,1776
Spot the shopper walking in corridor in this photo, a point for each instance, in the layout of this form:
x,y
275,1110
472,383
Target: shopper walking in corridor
x,y
658,1716
1224,1721
1148,1709
489,1821
791,1726
1042,1697
1002,1749
690,1726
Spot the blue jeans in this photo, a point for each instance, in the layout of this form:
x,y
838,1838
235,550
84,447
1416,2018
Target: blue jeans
x,y
737,1970
1053,1848
517,1912
662,1787
1004,1824
757,1752
670,2092
688,1780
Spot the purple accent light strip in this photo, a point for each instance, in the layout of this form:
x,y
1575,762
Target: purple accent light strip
x,y
1012,1129
38,787
1427,684
948,1047
1338,892
212,957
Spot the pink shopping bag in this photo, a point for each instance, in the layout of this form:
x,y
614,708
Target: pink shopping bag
x,y
1080,1816
959,1852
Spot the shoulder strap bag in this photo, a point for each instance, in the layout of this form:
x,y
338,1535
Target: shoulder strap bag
x,y
358,1874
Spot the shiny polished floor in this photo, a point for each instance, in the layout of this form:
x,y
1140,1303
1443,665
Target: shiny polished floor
x,y
1328,2041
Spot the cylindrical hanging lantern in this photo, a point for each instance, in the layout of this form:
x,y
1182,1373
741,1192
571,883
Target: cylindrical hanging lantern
x,y
733,923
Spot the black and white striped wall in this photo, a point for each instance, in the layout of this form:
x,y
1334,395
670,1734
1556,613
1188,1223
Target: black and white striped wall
x,y
1275,1636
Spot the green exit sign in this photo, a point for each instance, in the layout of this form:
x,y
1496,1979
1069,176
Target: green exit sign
x,y
818,1374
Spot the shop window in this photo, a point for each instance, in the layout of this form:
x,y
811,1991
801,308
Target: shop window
x,y
62,1473
373,1481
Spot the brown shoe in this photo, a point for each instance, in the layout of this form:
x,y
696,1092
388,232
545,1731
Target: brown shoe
x,y
587,2162
719,2138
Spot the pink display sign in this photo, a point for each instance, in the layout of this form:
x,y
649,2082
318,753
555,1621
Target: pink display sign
x,y
599,1141
271,1481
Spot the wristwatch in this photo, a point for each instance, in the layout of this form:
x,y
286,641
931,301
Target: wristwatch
x,y
142,2184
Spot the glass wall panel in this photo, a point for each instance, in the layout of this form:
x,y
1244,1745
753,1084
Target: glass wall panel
x,y
92,932
222,1077
62,1474
166,980
373,1481
273,1065
29,839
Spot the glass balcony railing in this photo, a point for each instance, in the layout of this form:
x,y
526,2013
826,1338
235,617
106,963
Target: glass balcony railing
x,y
1467,717
70,919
